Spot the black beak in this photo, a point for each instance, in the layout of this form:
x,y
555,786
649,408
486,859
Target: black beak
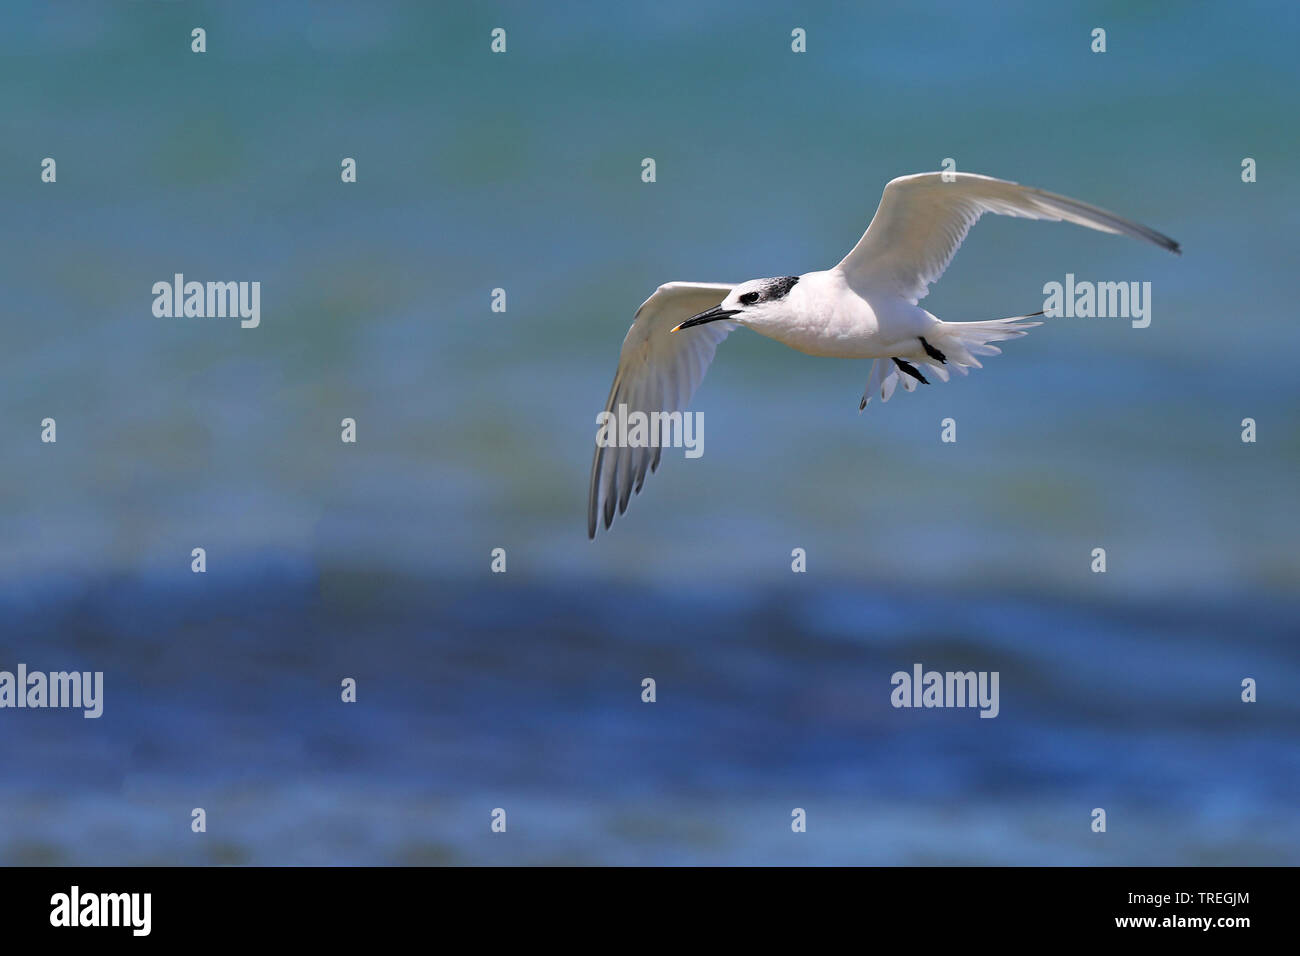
x,y
717,312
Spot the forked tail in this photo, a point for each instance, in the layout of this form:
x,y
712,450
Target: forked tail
x,y
949,345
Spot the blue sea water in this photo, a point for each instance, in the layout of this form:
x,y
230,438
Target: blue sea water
x,y
523,690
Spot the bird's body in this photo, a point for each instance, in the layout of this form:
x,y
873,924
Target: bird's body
x,y
826,317
865,307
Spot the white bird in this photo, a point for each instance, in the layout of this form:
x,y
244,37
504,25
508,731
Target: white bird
x,y
864,308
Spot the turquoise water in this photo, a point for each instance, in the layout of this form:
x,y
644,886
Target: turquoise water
x,y
522,171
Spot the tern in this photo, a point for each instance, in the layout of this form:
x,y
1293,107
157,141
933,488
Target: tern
x,y
865,307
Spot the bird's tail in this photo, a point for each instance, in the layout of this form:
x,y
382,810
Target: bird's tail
x,y
961,342
949,345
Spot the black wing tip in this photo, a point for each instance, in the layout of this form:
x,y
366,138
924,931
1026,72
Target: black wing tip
x,y
1165,242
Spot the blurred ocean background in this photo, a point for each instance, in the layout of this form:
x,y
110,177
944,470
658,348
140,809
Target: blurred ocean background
x,y
522,690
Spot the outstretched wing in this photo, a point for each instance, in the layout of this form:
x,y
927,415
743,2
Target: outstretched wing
x,y
658,371
922,219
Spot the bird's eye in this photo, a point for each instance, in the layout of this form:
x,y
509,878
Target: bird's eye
x,y
749,298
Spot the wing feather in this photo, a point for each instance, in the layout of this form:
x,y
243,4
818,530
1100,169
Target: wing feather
x,y
923,219
658,371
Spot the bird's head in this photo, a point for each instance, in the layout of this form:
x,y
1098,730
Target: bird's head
x,y
747,301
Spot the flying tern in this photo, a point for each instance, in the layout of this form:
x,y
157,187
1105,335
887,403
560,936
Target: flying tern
x,y
865,307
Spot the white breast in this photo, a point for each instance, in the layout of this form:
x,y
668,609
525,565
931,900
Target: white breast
x,y
823,316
